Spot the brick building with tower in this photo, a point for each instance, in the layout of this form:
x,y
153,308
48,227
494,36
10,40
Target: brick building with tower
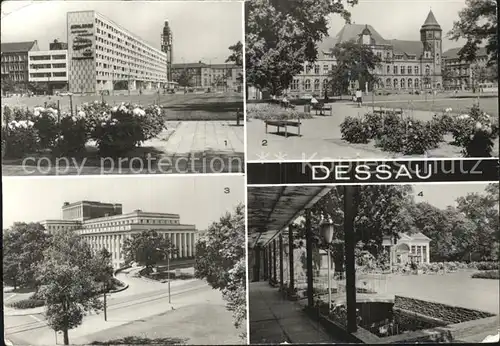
x,y
405,65
103,225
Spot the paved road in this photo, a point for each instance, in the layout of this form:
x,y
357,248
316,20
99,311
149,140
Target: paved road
x,y
122,309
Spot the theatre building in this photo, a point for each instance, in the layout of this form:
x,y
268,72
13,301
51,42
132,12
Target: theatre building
x,y
103,56
103,225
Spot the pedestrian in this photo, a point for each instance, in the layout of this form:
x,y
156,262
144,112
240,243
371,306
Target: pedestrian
x,y
359,97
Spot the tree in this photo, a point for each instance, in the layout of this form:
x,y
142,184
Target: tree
x,y
237,58
104,267
69,286
143,248
382,210
23,246
355,62
477,24
482,210
185,78
282,35
220,259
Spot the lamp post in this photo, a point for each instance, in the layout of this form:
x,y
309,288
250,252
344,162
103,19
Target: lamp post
x,y
326,231
167,254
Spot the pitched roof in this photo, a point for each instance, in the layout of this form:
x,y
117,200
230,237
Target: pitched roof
x,y
453,53
431,20
352,32
419,236
15,47
408,47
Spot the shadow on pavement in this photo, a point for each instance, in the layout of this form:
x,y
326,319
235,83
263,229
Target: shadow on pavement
x,y
137,340
214,107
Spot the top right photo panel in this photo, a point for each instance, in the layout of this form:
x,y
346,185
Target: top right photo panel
x,y
332,79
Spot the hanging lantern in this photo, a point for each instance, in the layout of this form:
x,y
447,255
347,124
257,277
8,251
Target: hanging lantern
x,y
326,231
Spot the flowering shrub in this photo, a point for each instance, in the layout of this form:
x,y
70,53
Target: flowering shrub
x,y
475,133
19,138
45,122
119,129
274,112
72,136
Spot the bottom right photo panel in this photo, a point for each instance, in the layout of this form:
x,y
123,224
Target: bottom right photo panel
x,y
373,263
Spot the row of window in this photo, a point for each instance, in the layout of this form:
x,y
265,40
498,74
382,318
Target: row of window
x,y
14,57
389,83
15,67
119,35
41,66
127,222
395,69
47,74
137,62
48,57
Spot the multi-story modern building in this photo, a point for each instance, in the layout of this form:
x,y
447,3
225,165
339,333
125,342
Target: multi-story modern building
x,y
103,225
223,77
14,62
50,67
405,65
461,75
104,56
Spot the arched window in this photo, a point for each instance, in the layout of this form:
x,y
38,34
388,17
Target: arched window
x,y
416,83
388,55
427,70
416,70
380,84
295,84
388,83
395,83
410,83
325,84
308,84
403,83
316,84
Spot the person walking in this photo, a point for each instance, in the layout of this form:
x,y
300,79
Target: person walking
x,y
359,97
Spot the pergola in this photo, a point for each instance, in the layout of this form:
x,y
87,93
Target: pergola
x,y
271,210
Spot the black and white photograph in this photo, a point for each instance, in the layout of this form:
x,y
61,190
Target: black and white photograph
x,y
371,79
373,264
124,260
122,87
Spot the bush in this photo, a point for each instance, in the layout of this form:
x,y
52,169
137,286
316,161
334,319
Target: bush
x,y
72,137
489,274
27,303
475,133
274,112
355,130
487,266
45,123
19,138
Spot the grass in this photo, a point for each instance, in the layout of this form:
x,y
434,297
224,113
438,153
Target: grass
x,y
487,274
459,105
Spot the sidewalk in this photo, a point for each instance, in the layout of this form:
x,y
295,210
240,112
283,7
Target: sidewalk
x,y
276,320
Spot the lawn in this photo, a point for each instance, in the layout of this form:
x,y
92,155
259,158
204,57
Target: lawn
x,y
176,106
459,105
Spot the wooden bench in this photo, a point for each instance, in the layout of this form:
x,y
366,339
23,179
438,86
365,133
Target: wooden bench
x,y
285,124
321,108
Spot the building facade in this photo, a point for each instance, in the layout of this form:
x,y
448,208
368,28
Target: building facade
x,y
408,248
405,65
14,62
103,56
56,45
217,77
103,225
49,67
464,75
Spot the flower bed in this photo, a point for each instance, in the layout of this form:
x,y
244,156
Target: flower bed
x,y
474,132
116,130
487,274
29,303
274,112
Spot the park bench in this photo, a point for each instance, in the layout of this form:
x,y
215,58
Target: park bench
x,y
285,124
239,116
321,108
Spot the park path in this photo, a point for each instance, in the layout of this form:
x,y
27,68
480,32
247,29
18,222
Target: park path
x,y
321,139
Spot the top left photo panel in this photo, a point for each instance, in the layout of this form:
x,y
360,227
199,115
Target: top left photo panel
x,y
122,87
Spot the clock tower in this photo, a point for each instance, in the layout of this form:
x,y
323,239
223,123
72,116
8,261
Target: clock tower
x,y
430,35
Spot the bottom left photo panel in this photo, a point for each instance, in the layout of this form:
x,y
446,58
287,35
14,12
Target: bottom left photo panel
x,y
124,260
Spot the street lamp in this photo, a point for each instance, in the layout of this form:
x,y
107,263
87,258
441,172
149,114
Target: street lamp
x,y
326,232
167,254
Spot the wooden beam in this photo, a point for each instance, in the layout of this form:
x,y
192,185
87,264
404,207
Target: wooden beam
x,y
291,281
349,238
281,260
309,262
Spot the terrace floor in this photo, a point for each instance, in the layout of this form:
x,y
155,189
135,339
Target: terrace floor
x,y
275,320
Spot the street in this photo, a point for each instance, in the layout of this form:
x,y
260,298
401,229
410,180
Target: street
x,y
124,309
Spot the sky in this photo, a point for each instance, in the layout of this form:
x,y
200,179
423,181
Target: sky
x,y
443,195
198,200
402,19
201,30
